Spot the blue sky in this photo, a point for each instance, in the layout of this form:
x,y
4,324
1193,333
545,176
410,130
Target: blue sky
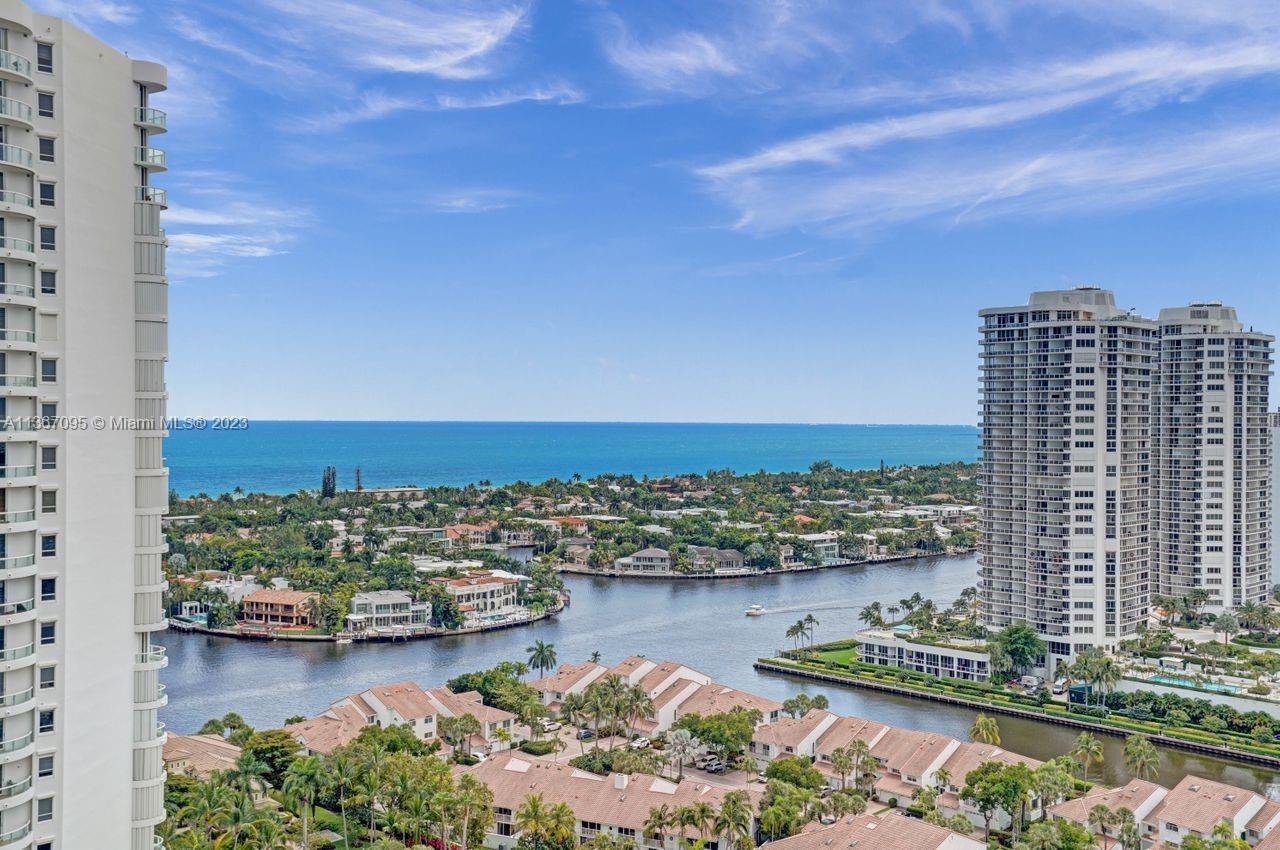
x,y
710,211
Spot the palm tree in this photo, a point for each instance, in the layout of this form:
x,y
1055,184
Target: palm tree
x,y
533,816
342,774
249,773
562,823
811,624
794,631
681,746
635,704
941,778
1128,834
1141,757
1100,818
733,822
985,730
1087,750
269,835
841,763
657,823
303,781
872,615
239,818
542,656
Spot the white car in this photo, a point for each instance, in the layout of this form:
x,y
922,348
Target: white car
x,y
550,725
639,744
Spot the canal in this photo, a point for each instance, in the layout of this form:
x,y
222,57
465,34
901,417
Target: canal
x,y
698,622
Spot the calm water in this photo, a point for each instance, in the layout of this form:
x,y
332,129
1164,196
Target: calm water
x,y
699,622
279,457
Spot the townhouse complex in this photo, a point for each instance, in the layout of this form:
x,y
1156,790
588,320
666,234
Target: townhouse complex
x,y
1121,457
83,339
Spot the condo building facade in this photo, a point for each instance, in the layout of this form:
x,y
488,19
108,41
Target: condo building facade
x,y
83,336
1120,456
1274,429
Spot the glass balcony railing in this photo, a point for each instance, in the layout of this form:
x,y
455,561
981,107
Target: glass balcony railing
x,y
15,155
11,517
9,608
19,289
17,562
147,115
16,198
10,700
13,655
13,243
151,656
16,743
15,109
17,336
17,381
13,789
15,63
17,471
152,194
15,834
150,157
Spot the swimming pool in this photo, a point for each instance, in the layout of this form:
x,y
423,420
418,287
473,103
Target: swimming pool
x,y
1191,683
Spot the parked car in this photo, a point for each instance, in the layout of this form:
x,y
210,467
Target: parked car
x,y
585,734
715,767
549,725
639,743
1059,687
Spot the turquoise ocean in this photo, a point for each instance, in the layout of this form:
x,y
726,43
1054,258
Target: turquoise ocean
x,y
283,456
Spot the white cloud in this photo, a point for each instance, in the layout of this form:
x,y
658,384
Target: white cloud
x,y
674,63
374,105
90,11
472,200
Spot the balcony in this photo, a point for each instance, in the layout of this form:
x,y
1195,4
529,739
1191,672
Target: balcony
x,y
13,789
152,195
18,743
13,836
153,659
15,112
17,381
152,119
18,290
18,199
17,698
151,158
14,155
12,243
15,67
17,471
8,609
15,517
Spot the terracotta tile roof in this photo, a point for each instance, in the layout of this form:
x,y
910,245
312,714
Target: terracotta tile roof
x,y
791,731
1261,822
614,800
200,755
404,698
329,730
846,730
908,751
1200,804
566,676
1130,796
275,596
469,702
717,699
868,832
969,757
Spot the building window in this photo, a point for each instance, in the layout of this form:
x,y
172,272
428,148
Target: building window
x,y
46,150
48,282
44,767
44,104
49,410
48,238
48,501
48,634
44,809
48,457
48,545
48,677
44,57
48,371
48,194
48,589
45,845
46,721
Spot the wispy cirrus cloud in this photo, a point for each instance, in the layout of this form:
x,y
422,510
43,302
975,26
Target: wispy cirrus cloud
x,y
88,12
376,104
472,200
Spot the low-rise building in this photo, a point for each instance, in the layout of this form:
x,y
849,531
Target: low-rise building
x,y
568,679
483,596
388,610
708,559
868,832
271,607
199,755
959,658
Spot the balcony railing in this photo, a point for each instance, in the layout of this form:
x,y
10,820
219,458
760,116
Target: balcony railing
x,y
13,789
11,517
15,155
17,562
17,471
17,336
10,700
16,653
15,63
15,109
13,243
152,194
9,608
151,656
19,289
147,115
150,157
15,834
19,198
17,381
16,743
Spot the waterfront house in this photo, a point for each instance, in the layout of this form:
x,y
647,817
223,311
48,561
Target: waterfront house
x,y
392,611
869,832
465,535
708,559
199,755
568,679
271,607
483,595
651,560
616,805
1195,806
404,704
236,587
791,736
1138,796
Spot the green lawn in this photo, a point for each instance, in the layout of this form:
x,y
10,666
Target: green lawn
x,y
840,656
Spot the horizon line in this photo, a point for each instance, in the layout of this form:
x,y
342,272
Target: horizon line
x,y
586,422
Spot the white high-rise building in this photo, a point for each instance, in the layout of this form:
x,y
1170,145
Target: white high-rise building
x,y
1212,493
83,337
1120,457
1274,428
1065,424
